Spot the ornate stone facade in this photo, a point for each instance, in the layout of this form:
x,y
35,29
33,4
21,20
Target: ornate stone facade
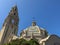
x,y
34,31
10,26
40,34
10,29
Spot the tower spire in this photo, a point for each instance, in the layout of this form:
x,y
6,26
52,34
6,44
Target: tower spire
x,y
10,26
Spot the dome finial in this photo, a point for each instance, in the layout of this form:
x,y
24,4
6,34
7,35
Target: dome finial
x,y
33,22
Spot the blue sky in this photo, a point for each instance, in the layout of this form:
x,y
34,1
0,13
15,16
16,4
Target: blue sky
x,y
45,12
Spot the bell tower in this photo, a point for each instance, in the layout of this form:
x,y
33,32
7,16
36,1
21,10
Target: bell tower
x,y
10,26
12,20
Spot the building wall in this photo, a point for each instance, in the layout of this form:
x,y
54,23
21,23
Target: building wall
x,y
1,33
53,40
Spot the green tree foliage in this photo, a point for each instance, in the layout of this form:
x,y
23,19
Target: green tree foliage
x,y
23,42
33,42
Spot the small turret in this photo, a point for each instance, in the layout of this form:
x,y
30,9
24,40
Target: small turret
x,y
33,23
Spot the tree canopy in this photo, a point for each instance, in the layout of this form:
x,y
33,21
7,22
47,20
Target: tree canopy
x,y
23,42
